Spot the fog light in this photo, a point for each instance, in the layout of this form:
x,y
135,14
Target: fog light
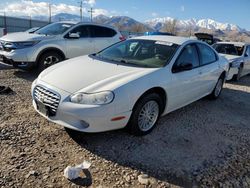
x,y
84,124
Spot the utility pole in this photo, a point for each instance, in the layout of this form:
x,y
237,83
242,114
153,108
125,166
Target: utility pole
x,y
30,22
91,13
5,21
81,10
49,13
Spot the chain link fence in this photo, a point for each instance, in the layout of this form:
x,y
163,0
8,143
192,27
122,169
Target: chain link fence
x,y
13,24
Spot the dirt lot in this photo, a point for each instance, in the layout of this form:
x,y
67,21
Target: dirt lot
x,y
203,144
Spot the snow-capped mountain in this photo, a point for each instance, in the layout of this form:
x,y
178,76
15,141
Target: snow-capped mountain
x,y
126,22
158,23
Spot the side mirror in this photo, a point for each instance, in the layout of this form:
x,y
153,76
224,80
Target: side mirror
x,y
184,66
74,36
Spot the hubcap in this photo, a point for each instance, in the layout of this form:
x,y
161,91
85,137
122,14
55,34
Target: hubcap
x,y
218,87
148,115
51,60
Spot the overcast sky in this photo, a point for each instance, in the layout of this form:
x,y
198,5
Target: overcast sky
x,y
226,11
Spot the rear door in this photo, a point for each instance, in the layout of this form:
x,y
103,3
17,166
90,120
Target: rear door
x,y
79,46
102,37
185,84
209,68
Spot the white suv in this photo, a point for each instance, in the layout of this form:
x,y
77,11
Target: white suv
x,y
54,43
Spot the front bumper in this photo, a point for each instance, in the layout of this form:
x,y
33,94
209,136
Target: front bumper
x,y
232,71
84,118
18,58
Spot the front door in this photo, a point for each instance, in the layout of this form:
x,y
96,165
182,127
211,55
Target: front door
x,y
83,45
185,84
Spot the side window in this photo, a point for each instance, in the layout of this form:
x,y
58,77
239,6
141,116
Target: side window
x,y
248,51
207,54
98,31
189,55
83,31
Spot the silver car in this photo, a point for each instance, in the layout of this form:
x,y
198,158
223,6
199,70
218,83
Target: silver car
x,y
238,55
54,43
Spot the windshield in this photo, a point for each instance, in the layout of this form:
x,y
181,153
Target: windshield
x,y
146,53
54,29
229,49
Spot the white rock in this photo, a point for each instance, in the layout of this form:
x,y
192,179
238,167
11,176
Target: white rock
x,y
143,179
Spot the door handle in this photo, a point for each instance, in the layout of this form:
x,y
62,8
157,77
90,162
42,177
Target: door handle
x,y
200,72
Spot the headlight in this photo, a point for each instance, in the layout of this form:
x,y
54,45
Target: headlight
x,y
100,98
20,45
235,63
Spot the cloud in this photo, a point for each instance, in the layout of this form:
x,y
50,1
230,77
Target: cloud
x,y
154,14
100,12
30,8
89,2
182,8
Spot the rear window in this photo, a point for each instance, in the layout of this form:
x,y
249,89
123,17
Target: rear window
x,y
229,49
207,54
99,31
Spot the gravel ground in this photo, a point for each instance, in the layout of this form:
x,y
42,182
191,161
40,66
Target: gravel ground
x,y
204,144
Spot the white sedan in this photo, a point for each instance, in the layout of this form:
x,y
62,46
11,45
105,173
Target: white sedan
x,y
130,84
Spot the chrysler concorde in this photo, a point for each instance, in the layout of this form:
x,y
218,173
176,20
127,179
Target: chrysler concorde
x,y
129,84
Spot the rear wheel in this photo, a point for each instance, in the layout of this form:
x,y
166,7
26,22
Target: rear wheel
x,y
145,114
48,59
218,88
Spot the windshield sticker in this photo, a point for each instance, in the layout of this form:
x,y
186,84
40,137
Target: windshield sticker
x,y
64,25
164,43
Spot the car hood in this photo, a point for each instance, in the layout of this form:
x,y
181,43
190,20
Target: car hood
x,y
231,57
88,74
23,36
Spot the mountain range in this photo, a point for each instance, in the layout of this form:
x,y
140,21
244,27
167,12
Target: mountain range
x,y
158,23
154,24
226,31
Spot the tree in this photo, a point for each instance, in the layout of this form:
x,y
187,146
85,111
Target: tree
x,y
119,26
170,26
138,28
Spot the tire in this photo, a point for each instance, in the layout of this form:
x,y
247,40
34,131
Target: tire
x,y
47,59
139,123
238,76
217,89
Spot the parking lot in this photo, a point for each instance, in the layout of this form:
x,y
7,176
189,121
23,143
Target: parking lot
x,y
204,144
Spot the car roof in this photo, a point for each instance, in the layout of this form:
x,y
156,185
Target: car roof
x,y
234,43
67,22
97,24
165,38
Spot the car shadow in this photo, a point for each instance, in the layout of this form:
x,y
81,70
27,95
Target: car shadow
x,y
244,81
27,75
184,143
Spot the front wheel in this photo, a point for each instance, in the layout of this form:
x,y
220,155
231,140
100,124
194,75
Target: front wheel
x,y
48,59
145,114
218,88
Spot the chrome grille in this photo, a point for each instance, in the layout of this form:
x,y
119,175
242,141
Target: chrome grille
x,y
49,98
